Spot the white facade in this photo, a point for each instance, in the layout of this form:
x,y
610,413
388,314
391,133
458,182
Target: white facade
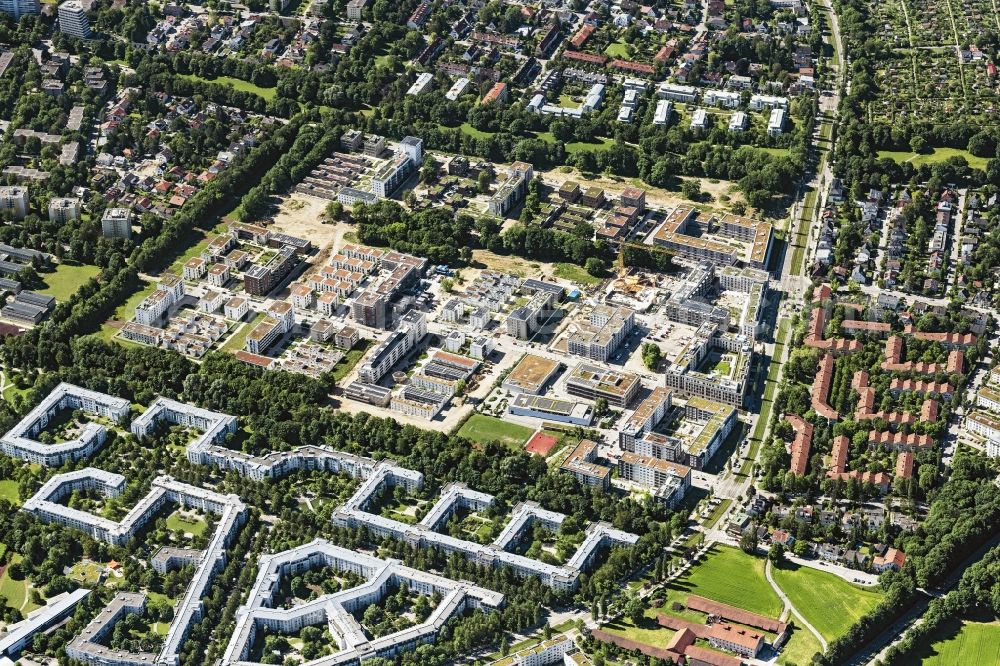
x,y
73,19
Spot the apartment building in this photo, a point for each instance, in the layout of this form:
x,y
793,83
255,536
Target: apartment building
x,y
14,202
411,330
669,481
73,19
592,382
64,209
21,440
117,223
581,464
511,190
601,332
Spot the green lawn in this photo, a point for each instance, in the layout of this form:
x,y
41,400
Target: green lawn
x,y
239,339
66,279
827,601
8,491
971,643
16,591
936,155
598,144
482,428
473,132
800,648
617,50
730,576
351,358
239,84
181,523
574,273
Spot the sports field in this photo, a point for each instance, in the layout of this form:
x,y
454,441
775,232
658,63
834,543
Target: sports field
x,y
827,601
481,428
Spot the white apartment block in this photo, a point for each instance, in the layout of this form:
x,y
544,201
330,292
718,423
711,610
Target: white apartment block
x,y
354,513
73,19
236,308
21,441
336,611
722,98
46,506
117,223
601,333
64,209
776,123
14,201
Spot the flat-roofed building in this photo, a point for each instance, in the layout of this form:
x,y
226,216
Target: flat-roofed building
x,y
601,332
669,481
531,375
117,223
592,382
551,409
580,463
64,209
14,201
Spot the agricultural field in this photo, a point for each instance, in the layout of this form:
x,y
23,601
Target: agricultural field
x,y
827,601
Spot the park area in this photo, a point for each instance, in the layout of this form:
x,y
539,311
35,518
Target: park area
x,y
481,429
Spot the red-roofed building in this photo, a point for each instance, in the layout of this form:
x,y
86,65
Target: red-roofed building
x,y
904,465
630,67
581,37
841,447
899,441
949,340
821,389
498,93
589,58
893,559
801,444
929,410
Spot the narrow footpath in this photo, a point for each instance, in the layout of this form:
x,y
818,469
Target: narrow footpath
x,y
790,608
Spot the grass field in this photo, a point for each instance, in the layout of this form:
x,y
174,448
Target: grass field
x,y
617,50
963,643
799,649
574,273
598,144
466,128
239,339
936,155
732,577
16,591
66,279
238,84
8,491
181,523
828,602
482,428
351,358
